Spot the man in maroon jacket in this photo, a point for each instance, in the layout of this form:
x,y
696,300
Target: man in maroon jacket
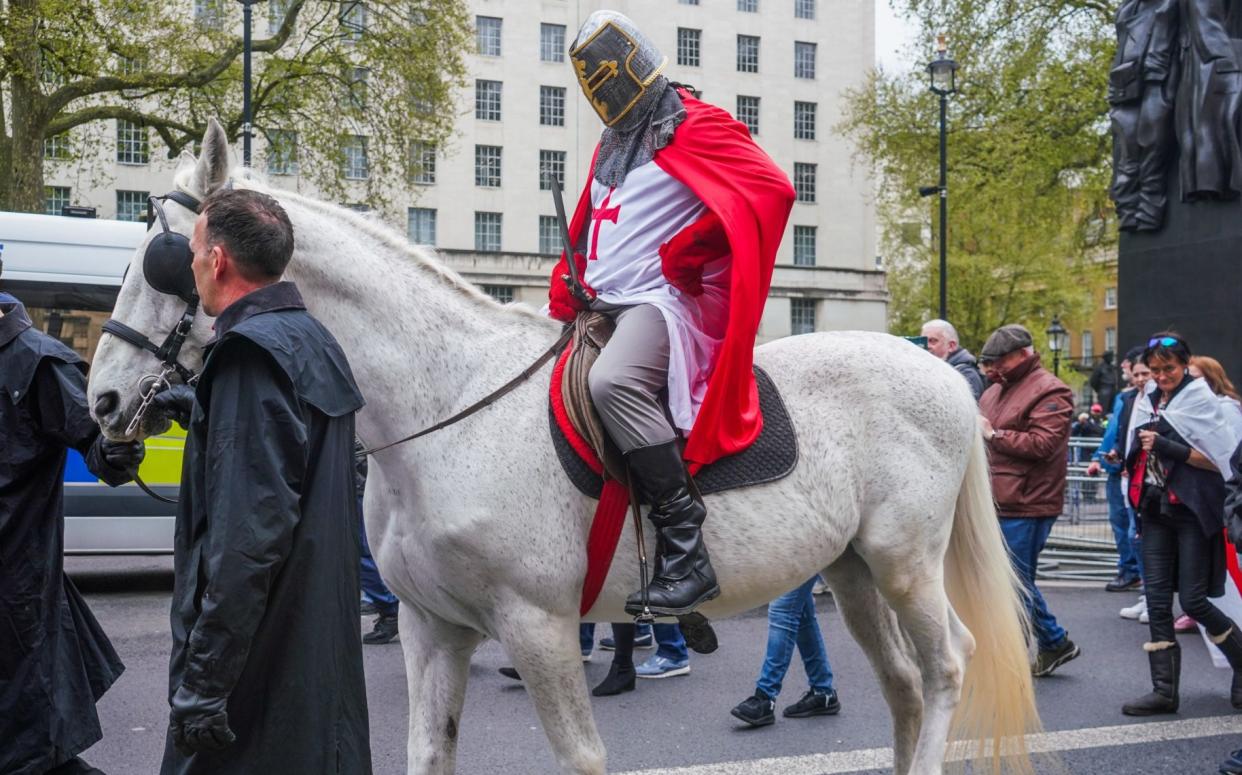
x,y
1025,419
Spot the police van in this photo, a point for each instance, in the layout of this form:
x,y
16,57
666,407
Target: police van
x,y
68,271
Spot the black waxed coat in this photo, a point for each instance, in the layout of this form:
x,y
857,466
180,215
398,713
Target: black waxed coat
x,y
266,594
55,660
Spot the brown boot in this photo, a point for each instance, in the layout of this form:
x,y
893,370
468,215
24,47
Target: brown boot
x,y
1165,659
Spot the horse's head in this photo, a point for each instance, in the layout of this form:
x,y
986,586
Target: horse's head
x,y
155,303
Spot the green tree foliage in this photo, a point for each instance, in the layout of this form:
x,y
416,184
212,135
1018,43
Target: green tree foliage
x,y
169,66
1029,162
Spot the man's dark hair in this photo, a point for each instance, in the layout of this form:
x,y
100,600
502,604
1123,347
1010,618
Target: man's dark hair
x,y
1167,345
255,229
1134,354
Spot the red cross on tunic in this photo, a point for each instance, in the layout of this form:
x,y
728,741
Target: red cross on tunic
x,y
603,213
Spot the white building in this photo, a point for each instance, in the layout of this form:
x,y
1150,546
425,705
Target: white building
x,y
781,66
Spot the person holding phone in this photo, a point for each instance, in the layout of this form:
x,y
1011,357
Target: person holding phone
x,y
1177,455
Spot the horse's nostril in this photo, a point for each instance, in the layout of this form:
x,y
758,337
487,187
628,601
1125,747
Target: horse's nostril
x,y
105,403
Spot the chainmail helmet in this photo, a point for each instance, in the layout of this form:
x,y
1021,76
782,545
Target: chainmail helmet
x,y
615,63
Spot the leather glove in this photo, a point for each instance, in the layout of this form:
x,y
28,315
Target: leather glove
x,y
199,724
122,455
1171,450
175,401
562,304
683,257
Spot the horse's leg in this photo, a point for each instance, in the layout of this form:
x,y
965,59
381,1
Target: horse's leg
x,y
437,661
913,584
544,648
874,626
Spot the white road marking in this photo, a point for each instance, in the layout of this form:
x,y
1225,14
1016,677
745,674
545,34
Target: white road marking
x,y
1045,742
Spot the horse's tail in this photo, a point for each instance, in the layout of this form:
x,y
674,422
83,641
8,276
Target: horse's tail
x,y
997,706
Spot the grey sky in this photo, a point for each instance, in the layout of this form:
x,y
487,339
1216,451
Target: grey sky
x,y
892,35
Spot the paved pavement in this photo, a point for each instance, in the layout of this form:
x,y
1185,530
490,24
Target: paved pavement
x,y
682,725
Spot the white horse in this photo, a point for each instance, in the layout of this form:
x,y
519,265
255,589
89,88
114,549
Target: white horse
x,y
481,535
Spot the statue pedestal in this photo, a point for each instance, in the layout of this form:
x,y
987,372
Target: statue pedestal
x,y
1187,278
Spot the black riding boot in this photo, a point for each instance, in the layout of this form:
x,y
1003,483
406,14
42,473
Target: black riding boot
x,y
1166,668
683,577
1231,646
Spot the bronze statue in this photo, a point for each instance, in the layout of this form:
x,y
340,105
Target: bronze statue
x,y
1141,90
1208,104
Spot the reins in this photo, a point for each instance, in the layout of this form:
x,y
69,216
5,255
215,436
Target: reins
x,y
487,400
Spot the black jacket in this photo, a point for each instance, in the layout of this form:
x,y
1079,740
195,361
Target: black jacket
x,y
1233,500
265,600
55,660
966,365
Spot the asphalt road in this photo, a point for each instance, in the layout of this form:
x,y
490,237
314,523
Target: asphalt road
x,y
683,725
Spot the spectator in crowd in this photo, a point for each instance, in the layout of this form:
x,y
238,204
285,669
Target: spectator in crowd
x,y
1103,379
1182,437
942,343
1025,420
1108,458
672,658
1233,526
374,590
1210,370
1087,426
792,622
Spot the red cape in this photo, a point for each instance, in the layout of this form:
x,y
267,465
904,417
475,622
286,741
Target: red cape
x,y
714,156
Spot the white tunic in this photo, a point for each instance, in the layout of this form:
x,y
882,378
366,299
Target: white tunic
x,y
623,238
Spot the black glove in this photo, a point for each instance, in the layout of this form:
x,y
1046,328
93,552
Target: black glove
x,y
199,724
1171,450
122,455
175,401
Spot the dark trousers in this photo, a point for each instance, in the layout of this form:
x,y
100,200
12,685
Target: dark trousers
x,y
1177,556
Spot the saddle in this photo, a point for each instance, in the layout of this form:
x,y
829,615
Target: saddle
x,y
588,456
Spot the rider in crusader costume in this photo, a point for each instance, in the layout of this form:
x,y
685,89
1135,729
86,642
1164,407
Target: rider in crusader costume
x,y
675,237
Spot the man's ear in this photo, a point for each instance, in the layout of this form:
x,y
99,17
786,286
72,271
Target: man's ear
x,y
219,262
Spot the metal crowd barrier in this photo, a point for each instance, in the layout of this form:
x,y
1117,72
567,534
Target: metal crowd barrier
x,y
1081,546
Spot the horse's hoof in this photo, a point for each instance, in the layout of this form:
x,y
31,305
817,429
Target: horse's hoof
x,y
699,634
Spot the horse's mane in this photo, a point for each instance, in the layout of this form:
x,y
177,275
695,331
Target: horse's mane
x,y
419,256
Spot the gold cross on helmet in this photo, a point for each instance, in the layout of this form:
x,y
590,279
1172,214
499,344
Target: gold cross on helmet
x,y
615,64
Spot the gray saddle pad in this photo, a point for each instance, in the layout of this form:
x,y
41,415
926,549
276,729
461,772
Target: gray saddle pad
x,y
773,455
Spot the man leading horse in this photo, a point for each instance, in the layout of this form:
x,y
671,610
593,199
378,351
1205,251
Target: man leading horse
x,y
675,238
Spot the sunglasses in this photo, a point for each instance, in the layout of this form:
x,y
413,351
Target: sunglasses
x,y
1163,341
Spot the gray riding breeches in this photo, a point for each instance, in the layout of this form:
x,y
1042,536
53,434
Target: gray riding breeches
x,y
629,375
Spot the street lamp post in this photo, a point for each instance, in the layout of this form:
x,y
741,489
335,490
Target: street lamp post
x,y
246,127
943,75
1058,337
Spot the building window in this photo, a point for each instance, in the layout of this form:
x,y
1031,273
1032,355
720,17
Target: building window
x,y
356,92
423,160
804,120
132,205
552,105
54,198
487,100
131,143
1110,296
552,42
748,53
688,42
487,35
353,18
421,225
804,181
804,59
688,2
487,166
748,112
209,14
1088,347
1110,339
801,316
56,147
748,6
551,163
550,242
804,245
501,293
354,165
804,9
276,11
282,152
487,228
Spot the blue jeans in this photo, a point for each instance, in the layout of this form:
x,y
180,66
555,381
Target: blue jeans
x,y
1025,537
668,636
1119,517
791,621
372,585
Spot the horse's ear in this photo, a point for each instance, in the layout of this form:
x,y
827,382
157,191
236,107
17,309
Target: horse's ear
x,y
213,164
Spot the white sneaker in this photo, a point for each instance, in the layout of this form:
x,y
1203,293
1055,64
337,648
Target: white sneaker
x,y
1136,610
1143,618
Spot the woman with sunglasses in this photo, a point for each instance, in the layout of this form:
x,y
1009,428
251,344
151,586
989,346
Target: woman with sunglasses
x,y
1180,440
